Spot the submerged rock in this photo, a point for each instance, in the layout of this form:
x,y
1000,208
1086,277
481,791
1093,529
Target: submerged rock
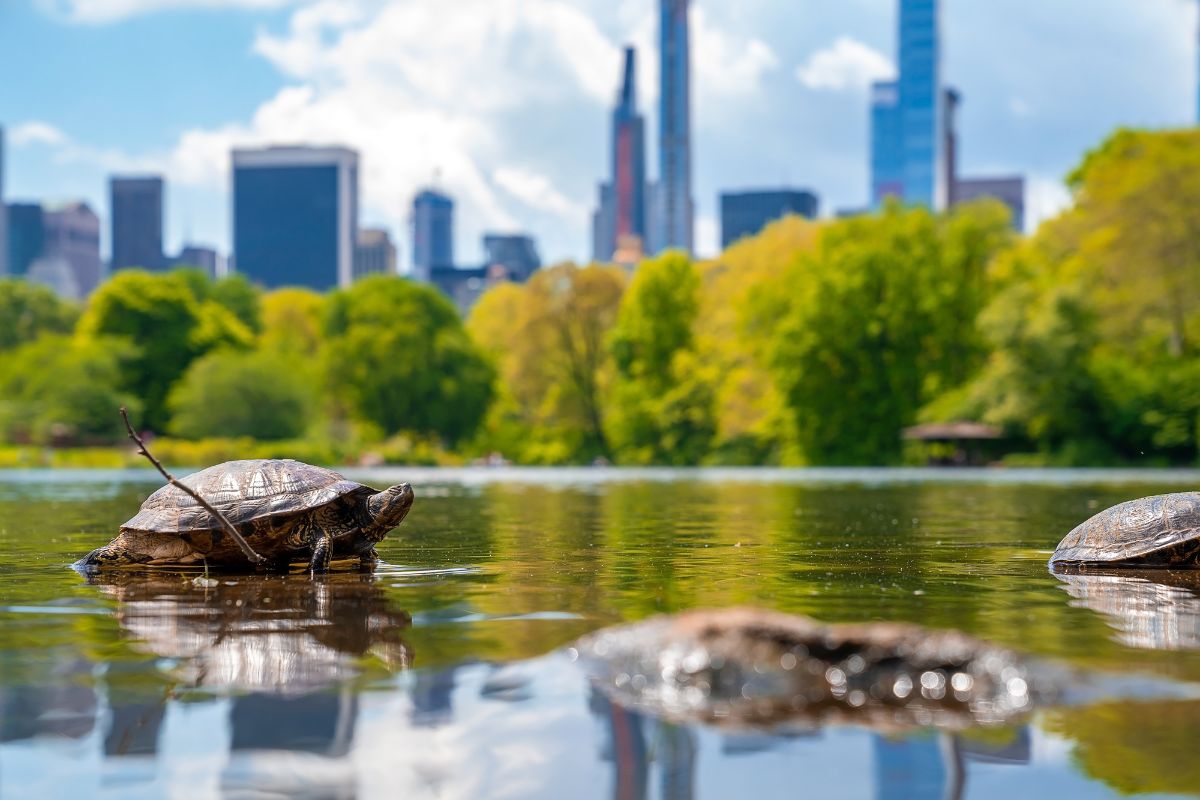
x,y
758,668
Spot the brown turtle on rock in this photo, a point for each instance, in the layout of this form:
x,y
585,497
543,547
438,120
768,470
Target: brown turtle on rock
x,y
284,511
1159,531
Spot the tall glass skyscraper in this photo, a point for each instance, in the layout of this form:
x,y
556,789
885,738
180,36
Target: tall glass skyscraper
x,y
622,201
907,139
674,208
136,206
433,233
295,215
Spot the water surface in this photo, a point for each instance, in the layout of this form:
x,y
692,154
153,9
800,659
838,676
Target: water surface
x,y
445,674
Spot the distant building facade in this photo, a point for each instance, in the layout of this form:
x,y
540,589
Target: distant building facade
x,y
201,257
465,285
623,198
675,214
887,151
295,215
26,236
136,205
375,254
906,115
432,233
747,213
1009,190
72,233
517,253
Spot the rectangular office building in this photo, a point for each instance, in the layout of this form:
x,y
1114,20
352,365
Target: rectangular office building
x,y
295,216
137,222
747,213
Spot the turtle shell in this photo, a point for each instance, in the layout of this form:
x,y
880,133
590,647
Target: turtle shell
x,y
243,491
1153,531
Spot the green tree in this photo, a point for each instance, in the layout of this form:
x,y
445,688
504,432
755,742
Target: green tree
x,y
230,393
291,321
663,409
63,390
28,310
398,354
548,339
1093,335
873,326
162,318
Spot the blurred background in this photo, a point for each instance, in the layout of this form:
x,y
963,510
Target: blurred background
x,y
643,232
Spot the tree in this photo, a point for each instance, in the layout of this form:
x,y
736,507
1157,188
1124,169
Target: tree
x,y
872,327
740,305
28,310
548,340
398,354
169,327
230,393
291,321
64,390
663,409
1092,338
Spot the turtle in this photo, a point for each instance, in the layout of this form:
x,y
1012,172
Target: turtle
x,y
285,510
1158,531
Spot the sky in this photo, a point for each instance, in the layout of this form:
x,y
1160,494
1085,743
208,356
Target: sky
x,y
505,103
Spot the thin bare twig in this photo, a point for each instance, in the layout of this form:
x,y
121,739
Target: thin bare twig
x,y
226,525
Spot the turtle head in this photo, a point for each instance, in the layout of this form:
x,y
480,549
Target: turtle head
x,y
388,509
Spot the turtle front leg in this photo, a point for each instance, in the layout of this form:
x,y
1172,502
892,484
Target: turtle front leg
x,y
322,554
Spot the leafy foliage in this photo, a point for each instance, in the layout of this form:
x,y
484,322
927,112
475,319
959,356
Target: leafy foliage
x,y
399,355
59,390
548,340
28,310
160,316
663,409
230,393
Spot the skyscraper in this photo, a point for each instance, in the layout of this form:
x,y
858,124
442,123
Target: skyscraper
x,y
621,212
375,253
887,153
515,252
433,233
674,126
26,236
907,133
137,222
747,213
72,235
629,157
295,215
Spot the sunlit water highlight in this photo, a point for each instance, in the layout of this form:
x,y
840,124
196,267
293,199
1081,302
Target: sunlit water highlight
x,y
447,673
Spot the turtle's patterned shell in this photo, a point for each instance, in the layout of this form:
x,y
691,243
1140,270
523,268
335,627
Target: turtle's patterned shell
x,y
242,491
1134,531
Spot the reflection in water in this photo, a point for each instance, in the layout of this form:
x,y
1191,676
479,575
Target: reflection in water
x,y
1155,609
285,633
62,707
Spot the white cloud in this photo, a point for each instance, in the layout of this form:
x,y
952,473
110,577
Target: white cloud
x,y
35,132
1044,198
726,64
846,64
106,11
537,191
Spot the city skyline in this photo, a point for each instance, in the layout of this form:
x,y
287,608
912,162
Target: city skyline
x,y
767,112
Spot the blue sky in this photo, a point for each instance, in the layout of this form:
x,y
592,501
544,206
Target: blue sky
x,y
506,101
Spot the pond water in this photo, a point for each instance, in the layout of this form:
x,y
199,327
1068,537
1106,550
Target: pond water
x,y
447,672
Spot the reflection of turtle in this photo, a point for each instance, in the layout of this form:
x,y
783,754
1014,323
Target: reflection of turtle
x,y
286,510
280,634
1160,531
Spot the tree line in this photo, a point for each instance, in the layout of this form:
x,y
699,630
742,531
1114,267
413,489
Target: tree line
x,y
810,343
